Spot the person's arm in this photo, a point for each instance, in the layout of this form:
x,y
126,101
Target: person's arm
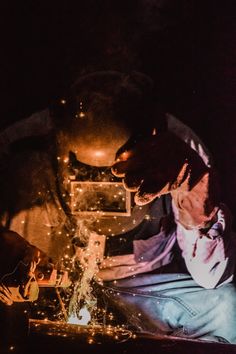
x,y
207,246
18,262
173,167
209,254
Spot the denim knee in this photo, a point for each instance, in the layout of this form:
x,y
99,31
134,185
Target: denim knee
x,y
186,311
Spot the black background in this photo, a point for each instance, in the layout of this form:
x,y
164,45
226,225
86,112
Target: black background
x,y
187,46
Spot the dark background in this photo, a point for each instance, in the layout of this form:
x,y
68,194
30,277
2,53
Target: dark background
x,y
187,46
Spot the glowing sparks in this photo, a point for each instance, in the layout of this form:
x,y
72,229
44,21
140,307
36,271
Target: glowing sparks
x,y
154,132
89,258
81,115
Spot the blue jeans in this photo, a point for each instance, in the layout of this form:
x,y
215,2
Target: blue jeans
x,y
174,304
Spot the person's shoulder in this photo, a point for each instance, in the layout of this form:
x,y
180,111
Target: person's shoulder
x,y
38,124
26,170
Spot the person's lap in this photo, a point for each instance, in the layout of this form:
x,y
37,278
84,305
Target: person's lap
x,y
174,304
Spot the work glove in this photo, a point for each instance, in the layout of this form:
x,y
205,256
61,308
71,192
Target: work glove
x,y
18,262
163,163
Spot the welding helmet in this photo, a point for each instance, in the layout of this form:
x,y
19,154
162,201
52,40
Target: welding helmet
x,y
104,111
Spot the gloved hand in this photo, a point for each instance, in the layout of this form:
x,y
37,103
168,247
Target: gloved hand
x,y
5,295
18,261
161,164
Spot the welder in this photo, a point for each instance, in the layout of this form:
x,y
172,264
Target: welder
x,y
169,244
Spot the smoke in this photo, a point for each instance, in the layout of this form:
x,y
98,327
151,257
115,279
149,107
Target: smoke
x,y
83,301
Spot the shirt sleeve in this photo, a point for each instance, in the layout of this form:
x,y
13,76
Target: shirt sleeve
x,y
209,255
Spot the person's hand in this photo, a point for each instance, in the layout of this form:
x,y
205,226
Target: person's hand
x,y
18,262
162,164
157,165
5,295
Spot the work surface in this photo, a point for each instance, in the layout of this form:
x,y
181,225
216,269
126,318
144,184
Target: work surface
x,y
56,338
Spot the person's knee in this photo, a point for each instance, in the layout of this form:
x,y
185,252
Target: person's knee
x,y
226,305
225,313
147,312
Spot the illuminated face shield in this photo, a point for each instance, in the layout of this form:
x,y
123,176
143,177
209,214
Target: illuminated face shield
x,y
92,193
95,191
99,198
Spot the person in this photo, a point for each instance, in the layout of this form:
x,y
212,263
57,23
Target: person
x,y
18,287
169,244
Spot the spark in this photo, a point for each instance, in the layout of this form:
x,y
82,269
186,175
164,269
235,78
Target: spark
x,y
89,258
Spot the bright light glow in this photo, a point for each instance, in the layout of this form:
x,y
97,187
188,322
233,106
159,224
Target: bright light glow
x,y
154,132
99,153
83,319
89,259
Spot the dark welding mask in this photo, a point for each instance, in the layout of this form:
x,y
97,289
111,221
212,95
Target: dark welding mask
x,y
104,111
